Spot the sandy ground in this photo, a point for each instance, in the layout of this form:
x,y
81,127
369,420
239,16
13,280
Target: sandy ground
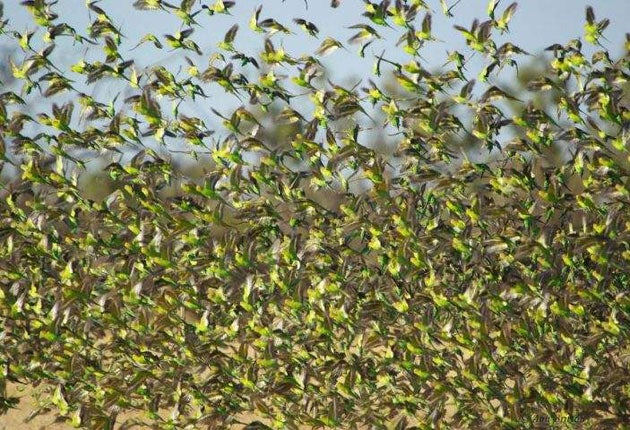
x,y
16,419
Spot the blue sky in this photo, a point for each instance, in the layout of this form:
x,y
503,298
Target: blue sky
x,y
536,24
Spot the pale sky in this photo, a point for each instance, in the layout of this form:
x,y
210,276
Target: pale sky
x,y
536,24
